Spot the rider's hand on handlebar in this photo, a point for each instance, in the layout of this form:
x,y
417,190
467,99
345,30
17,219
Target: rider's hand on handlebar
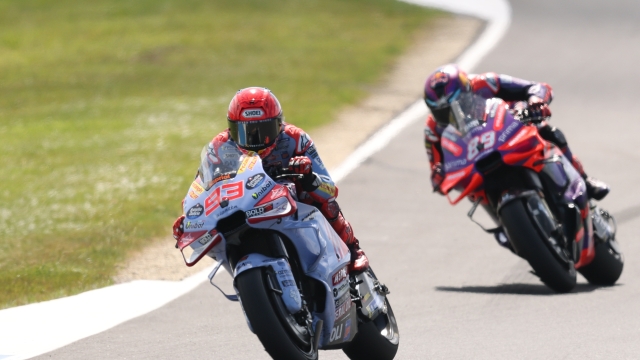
x,y
538,109
178,227
437,176
300,165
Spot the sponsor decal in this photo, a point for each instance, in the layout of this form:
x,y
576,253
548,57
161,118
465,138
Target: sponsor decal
x,y
195,211
259,210
284,155
343,309
247,163
450,146
194,225
283,272
226,176
503,137
288,283
347,330
255,181
231,155
339,290
276,193
206,238
455,163
339,276
263,190
327,189
309,216
225,211
312,152
295,296
336,333
518,137
195,190
243,264
252,113
450,136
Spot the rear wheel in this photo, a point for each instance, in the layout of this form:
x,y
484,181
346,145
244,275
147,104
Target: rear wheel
x,y
606,267
377,339
281,335
530,245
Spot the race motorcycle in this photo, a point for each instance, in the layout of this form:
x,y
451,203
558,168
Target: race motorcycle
x,y
536,198
290,268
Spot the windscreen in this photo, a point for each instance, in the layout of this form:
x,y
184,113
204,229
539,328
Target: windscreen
x,y
468,111
218,166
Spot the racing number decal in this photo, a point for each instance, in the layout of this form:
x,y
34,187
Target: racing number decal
x,y
229,191
487,140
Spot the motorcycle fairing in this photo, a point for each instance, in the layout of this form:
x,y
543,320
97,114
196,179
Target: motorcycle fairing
x,y
517,145
287,284
322,255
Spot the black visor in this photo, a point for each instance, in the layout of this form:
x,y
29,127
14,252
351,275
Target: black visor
x,y
441,116
255,135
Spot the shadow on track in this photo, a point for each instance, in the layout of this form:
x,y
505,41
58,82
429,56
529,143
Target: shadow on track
x,y
516,289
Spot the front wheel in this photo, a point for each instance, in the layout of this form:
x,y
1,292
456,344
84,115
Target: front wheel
x,y
530,245
280,333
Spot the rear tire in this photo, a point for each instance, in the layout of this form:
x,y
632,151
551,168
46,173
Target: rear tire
x,y
606,267
266,318
376,340
530,245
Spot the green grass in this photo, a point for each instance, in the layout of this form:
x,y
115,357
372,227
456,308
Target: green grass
x,y
104,106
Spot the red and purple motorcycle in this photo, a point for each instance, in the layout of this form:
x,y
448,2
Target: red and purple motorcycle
x,y
496,158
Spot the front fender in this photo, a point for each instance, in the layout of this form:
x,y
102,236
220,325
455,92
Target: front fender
x,y
282,270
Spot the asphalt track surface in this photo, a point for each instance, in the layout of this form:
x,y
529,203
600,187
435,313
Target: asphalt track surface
x,y
456,293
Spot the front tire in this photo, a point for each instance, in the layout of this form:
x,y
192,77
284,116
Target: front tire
x,y
529,244
606,266
269,319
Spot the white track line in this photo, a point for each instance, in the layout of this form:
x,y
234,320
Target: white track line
x,y
35,329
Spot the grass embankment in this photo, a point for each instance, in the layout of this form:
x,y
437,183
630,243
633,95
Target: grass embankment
x,y
104,107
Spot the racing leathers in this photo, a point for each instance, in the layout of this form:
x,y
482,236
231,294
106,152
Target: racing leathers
x,y
512,90
292,147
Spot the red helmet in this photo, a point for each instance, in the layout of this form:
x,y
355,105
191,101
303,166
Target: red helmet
x,y
254,119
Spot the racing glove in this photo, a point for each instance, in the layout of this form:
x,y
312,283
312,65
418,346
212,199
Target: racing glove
x,y
539,110
300,165
437,176
178,227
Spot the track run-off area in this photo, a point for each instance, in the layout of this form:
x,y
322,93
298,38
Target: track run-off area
x,y
455,292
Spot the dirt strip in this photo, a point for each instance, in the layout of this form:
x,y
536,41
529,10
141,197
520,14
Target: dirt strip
x,y
437,44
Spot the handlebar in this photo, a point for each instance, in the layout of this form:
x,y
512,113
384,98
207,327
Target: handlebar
x,y
527,116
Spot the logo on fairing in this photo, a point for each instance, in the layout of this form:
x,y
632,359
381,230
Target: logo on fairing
x,y
259,211
195,211
255,181
194,225
263,190
252,113
339,276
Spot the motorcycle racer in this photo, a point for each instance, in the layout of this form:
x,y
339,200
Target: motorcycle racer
x,y
446,84
256,124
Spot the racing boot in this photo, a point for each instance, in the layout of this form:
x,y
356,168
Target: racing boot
x,y
596,189
359,261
